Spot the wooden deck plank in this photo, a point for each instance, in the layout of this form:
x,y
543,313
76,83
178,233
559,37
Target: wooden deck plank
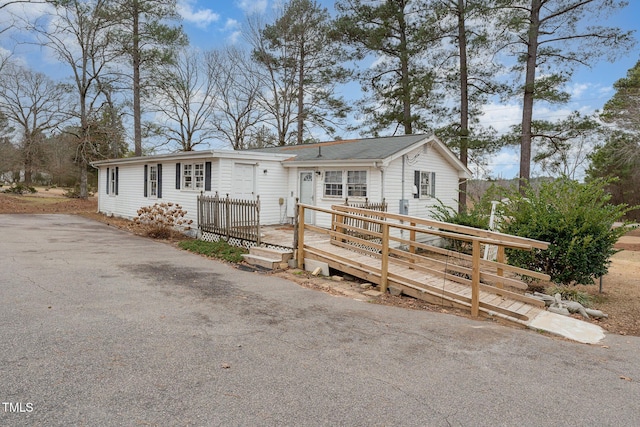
x,y
421,284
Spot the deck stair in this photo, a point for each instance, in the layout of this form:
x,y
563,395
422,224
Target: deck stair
x,y
268,258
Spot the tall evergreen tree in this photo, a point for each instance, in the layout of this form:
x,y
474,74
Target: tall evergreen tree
x,y
301,50
619,157
470,41
399,86
555,37
147,40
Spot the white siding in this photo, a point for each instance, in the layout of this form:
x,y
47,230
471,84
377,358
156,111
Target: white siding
x,y
272,186
420,160
130,198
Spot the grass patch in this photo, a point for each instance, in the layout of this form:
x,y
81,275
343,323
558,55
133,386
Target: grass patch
x,y
571,294
220,249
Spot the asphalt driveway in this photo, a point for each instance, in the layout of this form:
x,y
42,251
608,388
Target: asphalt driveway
x,y
100,327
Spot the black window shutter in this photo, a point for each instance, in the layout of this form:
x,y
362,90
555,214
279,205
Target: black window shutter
x,y
159,180
108,178
178,176
116,180
207,176
433,184
145,180
416,183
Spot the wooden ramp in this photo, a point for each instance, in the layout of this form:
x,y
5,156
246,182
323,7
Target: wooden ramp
x,y
426,286
369,245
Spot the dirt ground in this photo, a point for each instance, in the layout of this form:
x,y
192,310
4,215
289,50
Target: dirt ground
x,y
620,297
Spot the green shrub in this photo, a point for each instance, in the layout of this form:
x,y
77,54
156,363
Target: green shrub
x,y
576,219
220,249
476,214
74,193
20,189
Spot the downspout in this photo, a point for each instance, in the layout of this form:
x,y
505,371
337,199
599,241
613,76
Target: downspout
x,y
380,167
404,159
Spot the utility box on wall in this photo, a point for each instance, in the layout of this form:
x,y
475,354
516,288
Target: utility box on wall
x,y
404,207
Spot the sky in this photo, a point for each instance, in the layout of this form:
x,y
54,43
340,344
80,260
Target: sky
x,y
212,24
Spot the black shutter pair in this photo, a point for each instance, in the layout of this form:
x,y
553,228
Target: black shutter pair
x,y
207,176
159,180
109,181
432,184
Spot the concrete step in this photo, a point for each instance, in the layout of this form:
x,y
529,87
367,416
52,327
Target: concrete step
x,y
261,261
280,255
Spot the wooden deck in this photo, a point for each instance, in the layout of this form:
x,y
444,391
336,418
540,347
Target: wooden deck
x,y
430,273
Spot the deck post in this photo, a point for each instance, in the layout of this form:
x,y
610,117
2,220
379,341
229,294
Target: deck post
x,y
257,220
300,258
200,205
475,279
500,271
384,271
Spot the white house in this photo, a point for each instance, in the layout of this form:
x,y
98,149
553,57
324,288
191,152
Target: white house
x,y
410,172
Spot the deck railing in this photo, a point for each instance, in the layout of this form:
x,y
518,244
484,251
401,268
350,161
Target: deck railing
x,y
401,237
362,221
230,218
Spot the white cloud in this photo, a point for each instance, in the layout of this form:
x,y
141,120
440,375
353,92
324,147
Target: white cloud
x,y
234,38
501,117
576,90
231,24
251,7
201,18
506,164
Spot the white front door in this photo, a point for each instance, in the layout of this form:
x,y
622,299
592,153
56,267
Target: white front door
x,y
243,181
306,194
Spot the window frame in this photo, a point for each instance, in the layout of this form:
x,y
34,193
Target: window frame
x,y
426,190
353,183
153,182
113,182
334,188
193,176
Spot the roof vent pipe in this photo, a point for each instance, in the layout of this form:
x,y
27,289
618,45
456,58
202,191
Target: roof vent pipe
x,y
319,151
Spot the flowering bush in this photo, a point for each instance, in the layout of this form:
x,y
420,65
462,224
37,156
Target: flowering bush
x,y
160,220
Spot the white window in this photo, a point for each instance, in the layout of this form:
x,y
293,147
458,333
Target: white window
x,y
425,183
153,181
356,184
113,183
333,183
193,176
349,183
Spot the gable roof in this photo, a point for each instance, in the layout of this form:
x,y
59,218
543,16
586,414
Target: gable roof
x,y
369,150
349,149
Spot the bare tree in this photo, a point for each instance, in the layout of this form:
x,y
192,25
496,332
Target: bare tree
x,y
80,33
33,103
238,86
183,100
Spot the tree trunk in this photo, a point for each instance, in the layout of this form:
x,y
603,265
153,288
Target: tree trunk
x,y
135,57
527,105
84,192
301,96
28,164
464,104
406,86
